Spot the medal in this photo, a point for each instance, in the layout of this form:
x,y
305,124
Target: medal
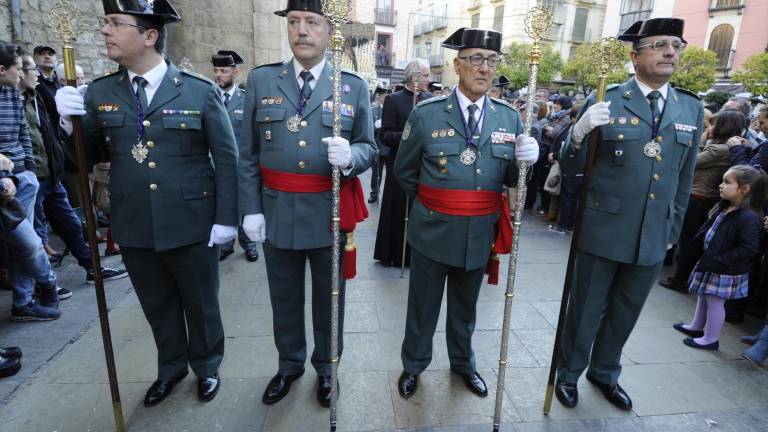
x,y
652,149
468,156
293,123
140,152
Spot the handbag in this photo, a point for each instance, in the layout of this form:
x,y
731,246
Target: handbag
x,y
554,180
101,186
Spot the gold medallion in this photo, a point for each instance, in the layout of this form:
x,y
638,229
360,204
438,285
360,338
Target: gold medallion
x,y
443,160
468,156
293,123
140,152
652,149
635,121
451,132
434,134
443,133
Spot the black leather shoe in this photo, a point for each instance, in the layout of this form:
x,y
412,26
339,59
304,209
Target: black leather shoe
x,y
714,346
475,383
407,384
9,366
278,387
567,393
207,387
252,255
324,390
614,393
225,253
159,390
674,285
373,199
692,333
10,352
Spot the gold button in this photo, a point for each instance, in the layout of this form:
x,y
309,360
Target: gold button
x,y
652,196
150,144
621,136
302,143
656,177
659,139
302,165
153,187
304,123
441,153
147,123
505,156
266,118
103,123
183,125
431,212
479,171
205,193
478,188
152,165
658,158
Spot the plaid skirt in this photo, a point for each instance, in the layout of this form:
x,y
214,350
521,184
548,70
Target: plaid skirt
x,y
723,286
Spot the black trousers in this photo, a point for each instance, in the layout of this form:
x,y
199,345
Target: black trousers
x,y
377,174
695,217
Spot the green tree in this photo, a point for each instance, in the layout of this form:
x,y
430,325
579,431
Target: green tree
x,y
696,70
581,68
718,97
754,74
515,65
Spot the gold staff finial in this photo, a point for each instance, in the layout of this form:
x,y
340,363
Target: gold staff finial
x,y
608,54
65,21
538,23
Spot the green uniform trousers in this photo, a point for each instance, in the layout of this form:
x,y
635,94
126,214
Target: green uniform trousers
x,y
179,293
425,295
605,302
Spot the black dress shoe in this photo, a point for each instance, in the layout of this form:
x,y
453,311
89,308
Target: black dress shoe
x,y
475,383
674,285
324,390
714,346
225,253
252,255
278,387
407,384
9,366
567,393
614,393
692,333
159,390
10,352
207,387
373,199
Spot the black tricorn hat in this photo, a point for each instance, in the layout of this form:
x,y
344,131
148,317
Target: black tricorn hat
x,y
474,38
315,6
434,85
380,89
161,11
226,59
654,27
500,81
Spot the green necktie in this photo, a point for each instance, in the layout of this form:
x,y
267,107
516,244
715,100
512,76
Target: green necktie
x,y
306,90
472,121
653,100
140,83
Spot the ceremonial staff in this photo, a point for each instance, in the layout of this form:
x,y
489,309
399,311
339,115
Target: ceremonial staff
x,y
336,11
608,54
538,22
407,198
65,21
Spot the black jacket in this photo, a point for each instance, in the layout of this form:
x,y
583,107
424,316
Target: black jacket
x,y
735,244
757,157
397,108
49,131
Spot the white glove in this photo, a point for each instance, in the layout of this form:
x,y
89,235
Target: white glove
x,y
339,153
5,163
596,115
526,149
255,227
377,124
221,234
70,101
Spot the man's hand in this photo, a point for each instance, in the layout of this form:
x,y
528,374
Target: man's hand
x,y
527,149
69,102
221,234
339,153
255,227
6,164
596,115
377,124
7,189
736,141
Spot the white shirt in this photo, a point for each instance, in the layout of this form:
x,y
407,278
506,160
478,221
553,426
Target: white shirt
x,y
154,78
464,104
663,90
316,71
230,92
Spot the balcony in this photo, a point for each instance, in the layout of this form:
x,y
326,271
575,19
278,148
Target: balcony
x,y
725,61
724,5
417,29
386,16
437,60
475,4
427,25
439,22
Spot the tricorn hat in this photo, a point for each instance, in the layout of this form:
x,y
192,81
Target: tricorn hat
x,y
500,82
381,89
226,59
434,85
302,5
654,27
161,11
474,38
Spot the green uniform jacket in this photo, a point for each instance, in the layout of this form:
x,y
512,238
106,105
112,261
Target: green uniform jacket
x,y
298,220
429,152
174,197
635,204
235,111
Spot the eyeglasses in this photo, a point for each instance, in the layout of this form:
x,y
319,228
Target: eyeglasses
x,y
115,23
35,71
478,59
663,44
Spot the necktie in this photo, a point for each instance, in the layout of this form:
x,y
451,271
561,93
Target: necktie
x,y
140,92
306,90
653,100
226,100
472,120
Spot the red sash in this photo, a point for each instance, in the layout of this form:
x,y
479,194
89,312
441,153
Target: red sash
x,y
475,203
352,206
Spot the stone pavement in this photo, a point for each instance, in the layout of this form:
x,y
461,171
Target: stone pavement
x,y
62,385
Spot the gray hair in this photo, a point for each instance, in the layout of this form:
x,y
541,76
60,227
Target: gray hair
x,y
413,70
742,105
60,70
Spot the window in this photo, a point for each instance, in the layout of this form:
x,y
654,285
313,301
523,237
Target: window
x,y
580,25
475,20
428,49
384,49
498,18
720,41
633,11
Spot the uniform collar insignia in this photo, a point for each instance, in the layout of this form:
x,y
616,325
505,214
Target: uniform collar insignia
x,y
449,107
176,81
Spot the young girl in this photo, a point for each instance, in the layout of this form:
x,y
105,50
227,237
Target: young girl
x,y
730,242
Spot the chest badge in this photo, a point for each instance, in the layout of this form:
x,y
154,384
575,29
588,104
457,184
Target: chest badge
x,y
140,152
468,156
652,149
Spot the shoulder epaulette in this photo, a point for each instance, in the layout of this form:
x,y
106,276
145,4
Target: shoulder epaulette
x,y
267,64
612,86
682,90
109,74
346,72
196,75
502,102
432,100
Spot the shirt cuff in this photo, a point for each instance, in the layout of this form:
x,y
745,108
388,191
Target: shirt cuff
x,y
66,126
348,170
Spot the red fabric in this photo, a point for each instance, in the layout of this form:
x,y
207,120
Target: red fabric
x,y
352,206
475,203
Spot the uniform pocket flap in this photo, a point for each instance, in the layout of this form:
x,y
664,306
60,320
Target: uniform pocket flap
x,y
685,138
602,202
443,149
266,115
182,123
198,189
618,134
111,120
503,151
346,122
